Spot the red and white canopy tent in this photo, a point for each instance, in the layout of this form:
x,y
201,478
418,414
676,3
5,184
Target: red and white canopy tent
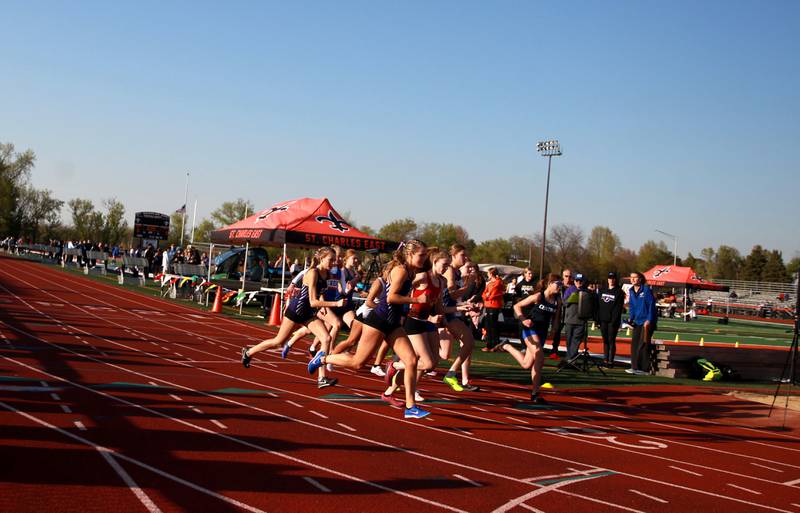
x,y
304,222
679,277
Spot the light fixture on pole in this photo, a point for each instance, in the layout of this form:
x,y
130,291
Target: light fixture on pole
x,y
547,149
675,250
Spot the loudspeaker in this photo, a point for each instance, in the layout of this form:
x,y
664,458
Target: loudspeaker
x,y
587,305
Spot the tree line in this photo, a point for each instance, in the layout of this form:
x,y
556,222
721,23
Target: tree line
x,y
35,214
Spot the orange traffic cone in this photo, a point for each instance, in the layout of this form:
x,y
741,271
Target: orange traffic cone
x,y
275,315
217,307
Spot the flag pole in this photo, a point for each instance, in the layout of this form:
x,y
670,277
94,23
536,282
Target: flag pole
x,y
194,218
185,201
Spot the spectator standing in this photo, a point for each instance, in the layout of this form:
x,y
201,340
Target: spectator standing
x,y
575,326
642,312
611,302
493,303
558,323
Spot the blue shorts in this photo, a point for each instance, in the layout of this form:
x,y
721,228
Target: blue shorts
x,y
530,332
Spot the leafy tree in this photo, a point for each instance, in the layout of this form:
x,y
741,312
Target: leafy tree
x,y
15,170
115,227
368,230
601,250
625,261
38,207
695,263
793,266
230,212
175,223
653,253
708,268
754,264
774,269
521,248
202,232
566,247
86,221
444,235
726,263
399,230
495,251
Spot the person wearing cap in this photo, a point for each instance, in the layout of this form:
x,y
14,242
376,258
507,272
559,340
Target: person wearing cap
x,y
610,303
558,322
575,326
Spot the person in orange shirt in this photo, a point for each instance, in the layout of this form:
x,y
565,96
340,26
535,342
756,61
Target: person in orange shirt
x,y
493,303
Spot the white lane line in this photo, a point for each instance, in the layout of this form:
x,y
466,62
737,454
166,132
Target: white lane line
x,y
295,404
766,467
270,365
743,488
541,491
103,353
271,394
133,461
531,508
196,410
317,485
318,414
175,397
55,397
65,408
468,480
687,471
80,425
345,426
514,419
43,383
479,408
178,354
206,370
358,394
637,492
468,433
796,505
138,492
154,383
792,483
219,424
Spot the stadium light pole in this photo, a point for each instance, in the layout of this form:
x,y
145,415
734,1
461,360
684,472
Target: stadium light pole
x,y
675,251
547,149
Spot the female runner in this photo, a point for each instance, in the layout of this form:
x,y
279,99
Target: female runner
x,y
302,310
534,313
384,321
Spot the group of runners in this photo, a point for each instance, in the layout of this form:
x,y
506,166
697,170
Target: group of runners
x,y
414,307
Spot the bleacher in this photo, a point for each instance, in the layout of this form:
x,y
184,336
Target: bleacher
x,y
134,271
753,298
177,286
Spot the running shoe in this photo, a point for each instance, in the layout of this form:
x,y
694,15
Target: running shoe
x,y
431,373
245,358
453,382
325,382
285,351
392,400
537,399
390,371
630,371
415,412
312,351
376,369
496,346
641,373
469,387
418,398
315,362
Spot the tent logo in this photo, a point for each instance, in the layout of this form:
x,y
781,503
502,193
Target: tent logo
x,y
272,210
336,224
660,272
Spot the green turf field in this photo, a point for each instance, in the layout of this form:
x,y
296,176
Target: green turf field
x,y
737,330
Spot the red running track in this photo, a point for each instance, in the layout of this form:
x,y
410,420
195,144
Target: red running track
x,y
112,400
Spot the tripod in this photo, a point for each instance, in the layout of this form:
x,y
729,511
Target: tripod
x,y
583,361
789,373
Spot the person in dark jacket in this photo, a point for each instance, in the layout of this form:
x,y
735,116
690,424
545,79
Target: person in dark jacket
x,y
642,313
576,327
610,303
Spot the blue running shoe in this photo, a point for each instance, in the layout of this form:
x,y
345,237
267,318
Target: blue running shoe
x,y
315,362
285,351
415,413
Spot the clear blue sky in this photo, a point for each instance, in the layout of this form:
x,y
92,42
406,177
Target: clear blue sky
x,y
681,116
